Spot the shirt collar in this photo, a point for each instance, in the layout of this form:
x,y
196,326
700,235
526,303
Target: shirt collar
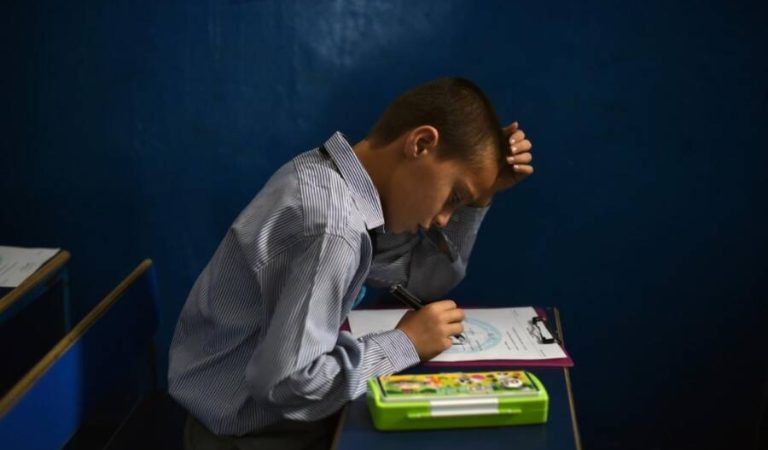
x,y
365,194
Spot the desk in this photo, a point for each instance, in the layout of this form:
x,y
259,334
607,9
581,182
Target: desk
x,y
51,275
356,431
33,317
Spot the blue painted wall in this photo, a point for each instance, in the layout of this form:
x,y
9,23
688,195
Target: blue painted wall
x,y
134,129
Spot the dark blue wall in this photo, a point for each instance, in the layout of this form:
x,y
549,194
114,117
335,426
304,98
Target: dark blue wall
x,y
134,129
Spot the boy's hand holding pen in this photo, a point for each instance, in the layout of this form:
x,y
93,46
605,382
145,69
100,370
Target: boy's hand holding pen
x,y
430,326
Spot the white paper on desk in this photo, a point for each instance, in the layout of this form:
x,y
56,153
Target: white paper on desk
x,y
17,263
491,333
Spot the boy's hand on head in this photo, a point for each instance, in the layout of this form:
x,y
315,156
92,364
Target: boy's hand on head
x,y
430,328
518,160
518,163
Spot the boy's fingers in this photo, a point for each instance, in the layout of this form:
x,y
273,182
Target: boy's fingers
x,y
454,329
511,128
516,137
523,169
442,305
453,315
520,158
520,147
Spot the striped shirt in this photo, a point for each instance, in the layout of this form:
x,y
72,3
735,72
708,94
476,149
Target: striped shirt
x,y
258,338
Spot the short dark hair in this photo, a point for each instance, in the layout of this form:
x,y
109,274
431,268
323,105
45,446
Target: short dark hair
x,y
457,108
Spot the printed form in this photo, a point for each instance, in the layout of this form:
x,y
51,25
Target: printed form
x,y
490,334
17,263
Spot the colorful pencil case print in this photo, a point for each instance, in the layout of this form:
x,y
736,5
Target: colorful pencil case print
x,y
457,400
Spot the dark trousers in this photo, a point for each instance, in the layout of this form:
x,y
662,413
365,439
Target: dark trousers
x,y
282,436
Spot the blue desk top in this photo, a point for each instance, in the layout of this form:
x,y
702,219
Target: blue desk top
x,y
356,429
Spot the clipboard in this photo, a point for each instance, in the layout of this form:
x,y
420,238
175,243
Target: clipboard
x,y
547,317
547,322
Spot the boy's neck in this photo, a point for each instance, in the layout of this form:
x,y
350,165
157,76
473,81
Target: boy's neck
x,y
377,161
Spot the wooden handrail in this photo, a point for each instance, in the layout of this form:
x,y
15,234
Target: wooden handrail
x,y
34,374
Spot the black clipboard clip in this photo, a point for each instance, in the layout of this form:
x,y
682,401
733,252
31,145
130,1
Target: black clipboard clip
x,y
539,328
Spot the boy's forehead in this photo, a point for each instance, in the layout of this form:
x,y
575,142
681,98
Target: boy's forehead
x,y
477,179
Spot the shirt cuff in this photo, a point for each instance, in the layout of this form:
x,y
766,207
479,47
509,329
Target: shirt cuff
x,y
397,348
469,215
463,226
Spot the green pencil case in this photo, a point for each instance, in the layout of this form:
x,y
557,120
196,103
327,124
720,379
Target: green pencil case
x,y
457,400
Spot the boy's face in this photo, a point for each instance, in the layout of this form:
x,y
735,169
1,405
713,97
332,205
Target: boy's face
x,y
425,191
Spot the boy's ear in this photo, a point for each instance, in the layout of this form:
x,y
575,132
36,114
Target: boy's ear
x,y
421,141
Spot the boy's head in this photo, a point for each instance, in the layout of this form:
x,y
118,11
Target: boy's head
x,y
460,112
437,146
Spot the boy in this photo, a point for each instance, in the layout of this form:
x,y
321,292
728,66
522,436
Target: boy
x,y
257,357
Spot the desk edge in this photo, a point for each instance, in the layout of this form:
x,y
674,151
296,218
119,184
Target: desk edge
x,y
568,386
47,270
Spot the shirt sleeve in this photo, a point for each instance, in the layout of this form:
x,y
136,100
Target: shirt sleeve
x,y
429,265
304,366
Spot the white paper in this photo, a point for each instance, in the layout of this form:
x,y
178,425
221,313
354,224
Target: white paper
x,y
17,263
493,333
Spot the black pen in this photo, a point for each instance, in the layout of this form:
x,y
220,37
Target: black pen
x,y
408,299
